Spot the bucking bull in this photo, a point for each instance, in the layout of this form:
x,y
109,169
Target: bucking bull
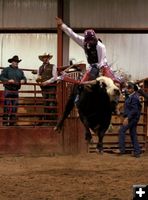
x,y
97,100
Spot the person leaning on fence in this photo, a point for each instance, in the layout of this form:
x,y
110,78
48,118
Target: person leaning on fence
x,y
131,115
12,78
47,76
95,52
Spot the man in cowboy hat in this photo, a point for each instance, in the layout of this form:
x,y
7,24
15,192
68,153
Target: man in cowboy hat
x,y
47,76
131,115
12,78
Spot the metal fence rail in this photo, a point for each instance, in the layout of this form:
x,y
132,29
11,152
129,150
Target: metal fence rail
x,y
32,108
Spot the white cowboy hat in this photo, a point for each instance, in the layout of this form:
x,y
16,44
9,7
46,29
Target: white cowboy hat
x,y
45,55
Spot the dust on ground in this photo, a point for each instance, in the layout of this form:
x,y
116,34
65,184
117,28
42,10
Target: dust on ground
x,y
71,177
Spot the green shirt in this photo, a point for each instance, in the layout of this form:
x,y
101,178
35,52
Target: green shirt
x,y
12,73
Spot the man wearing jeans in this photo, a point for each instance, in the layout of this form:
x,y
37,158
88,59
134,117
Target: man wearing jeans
x,y
131,114
12,78
47,77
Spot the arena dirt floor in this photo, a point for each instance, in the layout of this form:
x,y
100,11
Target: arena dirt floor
x,y
71,177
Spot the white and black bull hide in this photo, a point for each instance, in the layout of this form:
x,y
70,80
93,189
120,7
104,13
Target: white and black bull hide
x,y
96,102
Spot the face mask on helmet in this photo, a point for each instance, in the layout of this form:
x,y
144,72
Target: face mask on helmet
x,y
89,35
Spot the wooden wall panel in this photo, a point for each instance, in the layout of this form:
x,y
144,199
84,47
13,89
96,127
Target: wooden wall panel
x,y
74,139
109,13
28,13
20,140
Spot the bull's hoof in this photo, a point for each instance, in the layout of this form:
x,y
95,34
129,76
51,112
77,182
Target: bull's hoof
x,y
57,129
99,151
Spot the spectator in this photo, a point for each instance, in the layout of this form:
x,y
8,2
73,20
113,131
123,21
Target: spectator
x,y
131,114
12,78
47,77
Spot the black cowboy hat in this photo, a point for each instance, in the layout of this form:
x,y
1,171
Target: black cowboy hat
x,y
14,59
132,85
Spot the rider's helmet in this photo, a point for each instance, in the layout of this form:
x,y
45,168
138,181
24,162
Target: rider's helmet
x,y
89,34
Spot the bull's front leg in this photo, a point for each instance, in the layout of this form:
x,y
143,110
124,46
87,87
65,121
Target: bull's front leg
x,y
59,125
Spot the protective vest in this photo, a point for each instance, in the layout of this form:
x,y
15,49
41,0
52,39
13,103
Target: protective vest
x,y
91,52
45,72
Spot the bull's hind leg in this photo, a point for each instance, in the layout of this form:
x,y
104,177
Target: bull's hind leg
x,y
99,147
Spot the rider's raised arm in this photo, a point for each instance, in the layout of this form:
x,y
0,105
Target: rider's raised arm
x,y
76,37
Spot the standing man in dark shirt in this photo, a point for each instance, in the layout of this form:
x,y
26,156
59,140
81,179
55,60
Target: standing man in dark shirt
x,y
12,78
47,77
131,114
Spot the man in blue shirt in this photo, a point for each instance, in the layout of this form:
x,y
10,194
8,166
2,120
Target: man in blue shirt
x,y
131,114
12,78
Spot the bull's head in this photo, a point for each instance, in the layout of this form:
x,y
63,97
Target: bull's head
x,y
107,83
112,90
